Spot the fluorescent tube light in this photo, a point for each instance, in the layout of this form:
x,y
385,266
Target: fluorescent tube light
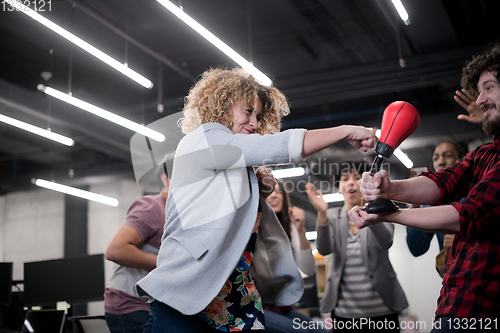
x,y
28,326
311,235
403,158
77,192
37,130
333,197
258,75
290,172
81,43
399,154
102,113
401,11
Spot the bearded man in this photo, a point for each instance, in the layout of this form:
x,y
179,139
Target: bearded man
x,y
470,296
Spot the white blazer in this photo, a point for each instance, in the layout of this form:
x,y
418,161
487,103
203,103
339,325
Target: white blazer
x,y
210,215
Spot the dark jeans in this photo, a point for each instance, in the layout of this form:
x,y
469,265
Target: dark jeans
x,y
132,322
163,318
388,323
292,321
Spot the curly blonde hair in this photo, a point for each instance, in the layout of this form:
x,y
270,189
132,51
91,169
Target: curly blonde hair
x,y
211,98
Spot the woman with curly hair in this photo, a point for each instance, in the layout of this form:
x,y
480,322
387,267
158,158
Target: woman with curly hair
x,y
223,251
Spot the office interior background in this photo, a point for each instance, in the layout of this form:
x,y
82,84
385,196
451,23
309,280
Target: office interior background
x,y
337,61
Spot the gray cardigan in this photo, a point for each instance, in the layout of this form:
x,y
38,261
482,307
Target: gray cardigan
x,y
375,243
210,215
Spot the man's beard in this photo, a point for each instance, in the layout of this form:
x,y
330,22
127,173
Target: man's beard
x,y
492,126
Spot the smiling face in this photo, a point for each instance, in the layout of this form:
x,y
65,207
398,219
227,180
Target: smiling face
x,y
275,200
445,155
349,188
245,118
489,100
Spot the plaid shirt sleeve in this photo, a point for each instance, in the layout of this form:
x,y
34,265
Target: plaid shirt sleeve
x,y
453,182
478,186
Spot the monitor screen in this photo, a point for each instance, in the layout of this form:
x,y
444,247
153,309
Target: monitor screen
x,y
74,280
44,321
5,282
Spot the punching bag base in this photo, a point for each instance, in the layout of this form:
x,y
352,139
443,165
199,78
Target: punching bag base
x,y
379,206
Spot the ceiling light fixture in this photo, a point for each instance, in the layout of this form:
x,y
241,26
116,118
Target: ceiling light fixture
x,y
81,43
77,192
399,154
403,158
102,113
401,11
37,130
290,172
258,75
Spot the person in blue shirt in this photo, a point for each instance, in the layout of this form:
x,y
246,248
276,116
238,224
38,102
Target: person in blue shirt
x,y
445,155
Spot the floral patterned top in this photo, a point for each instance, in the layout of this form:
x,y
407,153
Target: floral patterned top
x,y
238,306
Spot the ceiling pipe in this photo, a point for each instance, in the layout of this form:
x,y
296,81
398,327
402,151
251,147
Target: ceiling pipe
x,y
96,15
364,81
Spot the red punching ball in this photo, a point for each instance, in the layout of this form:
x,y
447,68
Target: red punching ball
x,y
399,121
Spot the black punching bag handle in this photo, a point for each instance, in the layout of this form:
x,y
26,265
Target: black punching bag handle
x,y
377,162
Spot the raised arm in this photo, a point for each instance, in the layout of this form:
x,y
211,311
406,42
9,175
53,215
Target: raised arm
x,y
304,257
297,216
465,100
123,250
316,199
226,149
325,232
359,137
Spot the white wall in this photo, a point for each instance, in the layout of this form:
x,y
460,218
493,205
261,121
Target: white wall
x,y
418,277
33,227
2,223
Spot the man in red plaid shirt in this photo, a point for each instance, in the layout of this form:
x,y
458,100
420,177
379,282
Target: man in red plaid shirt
x,y
471,285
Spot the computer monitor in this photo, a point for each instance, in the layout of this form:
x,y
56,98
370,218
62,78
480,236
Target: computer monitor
x,y
5,282
74,280
44,321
